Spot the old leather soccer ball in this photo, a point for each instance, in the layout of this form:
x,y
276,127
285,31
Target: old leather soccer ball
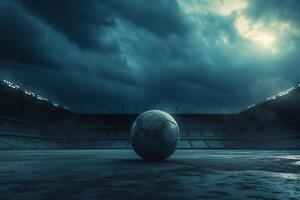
x,y
154,135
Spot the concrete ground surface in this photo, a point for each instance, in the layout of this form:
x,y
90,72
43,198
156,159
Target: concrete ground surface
x,y
120,174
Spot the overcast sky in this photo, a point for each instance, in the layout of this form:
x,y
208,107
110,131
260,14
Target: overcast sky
x,y
199,56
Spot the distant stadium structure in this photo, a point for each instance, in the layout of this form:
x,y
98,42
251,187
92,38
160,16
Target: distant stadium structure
x,y
30,121
23,103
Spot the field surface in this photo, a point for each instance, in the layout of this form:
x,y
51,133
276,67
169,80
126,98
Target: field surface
x,y
120,174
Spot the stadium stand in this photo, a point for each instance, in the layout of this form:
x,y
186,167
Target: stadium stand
x,y
29,122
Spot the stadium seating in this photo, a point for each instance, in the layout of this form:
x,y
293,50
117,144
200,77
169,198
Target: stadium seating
x,y
30,123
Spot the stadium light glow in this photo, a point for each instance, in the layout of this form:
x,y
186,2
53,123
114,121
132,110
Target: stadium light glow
x,y
251,106
30,93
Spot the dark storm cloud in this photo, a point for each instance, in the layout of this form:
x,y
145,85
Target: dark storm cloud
x,y
20,36
102,55
161,17
41,59
84,22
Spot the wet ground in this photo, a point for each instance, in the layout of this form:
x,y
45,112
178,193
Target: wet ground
x,y
120,174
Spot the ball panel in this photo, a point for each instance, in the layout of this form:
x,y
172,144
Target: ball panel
x,y
168,117
152,122
170,133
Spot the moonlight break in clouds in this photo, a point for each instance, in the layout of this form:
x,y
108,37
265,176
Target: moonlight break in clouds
x,y
185,56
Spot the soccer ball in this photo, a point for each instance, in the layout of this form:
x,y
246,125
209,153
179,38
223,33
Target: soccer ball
x,y
154,135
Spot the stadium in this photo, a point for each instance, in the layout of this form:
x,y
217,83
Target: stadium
x,y
29,121
43,139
